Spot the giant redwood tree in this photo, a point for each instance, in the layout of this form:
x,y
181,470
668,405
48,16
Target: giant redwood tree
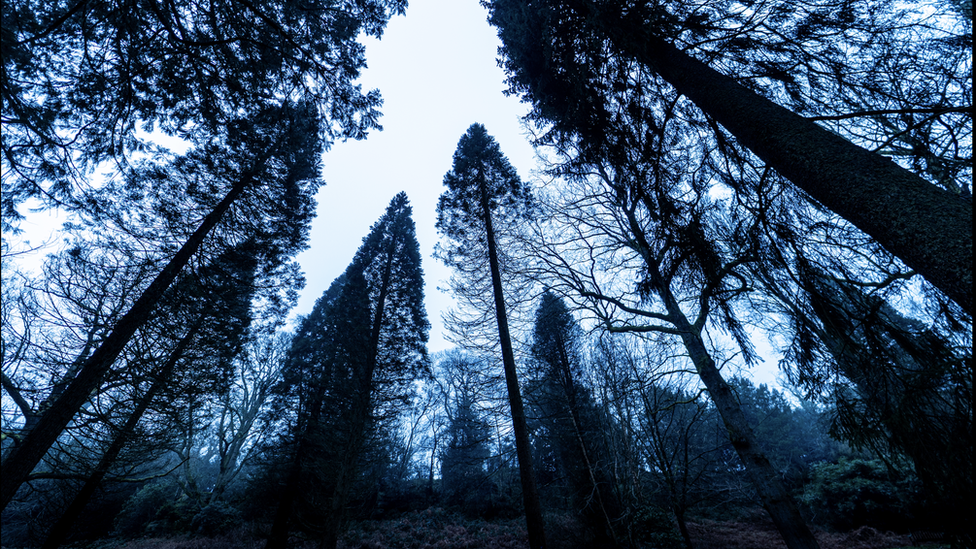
x,y
484,191
359,349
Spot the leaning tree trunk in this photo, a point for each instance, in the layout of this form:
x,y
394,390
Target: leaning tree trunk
x,y
772,493
22,460
59,532
927,227
530,492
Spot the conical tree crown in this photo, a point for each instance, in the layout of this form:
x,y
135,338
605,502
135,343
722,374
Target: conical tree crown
x,y
370,327
390,261
479,167
555,336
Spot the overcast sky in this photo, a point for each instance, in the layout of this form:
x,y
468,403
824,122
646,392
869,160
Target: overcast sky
x,y
436,68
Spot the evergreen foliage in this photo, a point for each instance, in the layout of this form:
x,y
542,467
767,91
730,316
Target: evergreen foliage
x,y
572,424
81,78
592,68
353,357
719,171
482,190
894,385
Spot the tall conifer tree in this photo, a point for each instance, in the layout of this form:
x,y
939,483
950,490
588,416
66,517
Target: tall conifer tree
x,y
362,344
483,190
568,412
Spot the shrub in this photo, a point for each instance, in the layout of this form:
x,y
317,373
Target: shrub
x,y
858,492
141,509
215,519
656,528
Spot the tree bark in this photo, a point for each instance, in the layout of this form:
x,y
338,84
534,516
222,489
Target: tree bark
x,y
22,460
775,498
927,227
772,493
530,492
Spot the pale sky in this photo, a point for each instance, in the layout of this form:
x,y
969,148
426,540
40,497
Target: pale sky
x,y
436,69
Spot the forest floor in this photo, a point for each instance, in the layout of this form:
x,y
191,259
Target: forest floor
x,y
435,529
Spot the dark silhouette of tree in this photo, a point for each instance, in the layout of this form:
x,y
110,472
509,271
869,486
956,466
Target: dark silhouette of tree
x,y
221,297
567,57
239,423
630,222
464,478
354,355
268,168
109,69
483,191
895,385
566,408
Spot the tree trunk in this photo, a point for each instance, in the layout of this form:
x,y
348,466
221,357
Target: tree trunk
x,y
679,516
927,227
772,493
530,492
59,532
774,497
278,538
22,460
569,387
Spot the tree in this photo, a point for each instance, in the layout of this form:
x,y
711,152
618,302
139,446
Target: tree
x,y
80,79
221,297
239,428
483,190
565,406
895,385
464,479
566,57
267,167
354,355
682,438
638,240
